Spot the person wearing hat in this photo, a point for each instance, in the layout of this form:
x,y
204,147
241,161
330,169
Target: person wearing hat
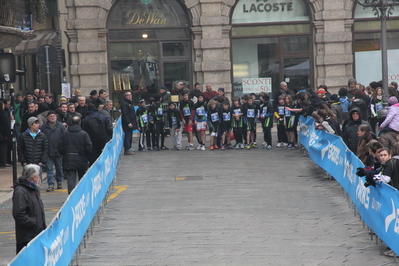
x,y
391,122
164,95
53,130
32,146
336,107
94,97
349,131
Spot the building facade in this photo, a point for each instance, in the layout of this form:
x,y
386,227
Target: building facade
x,y
240,45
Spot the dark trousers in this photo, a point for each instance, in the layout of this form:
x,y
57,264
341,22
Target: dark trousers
x,y
148,137
267,135
97,150
71,178
21,246
127,141
3,153
238,134
281,136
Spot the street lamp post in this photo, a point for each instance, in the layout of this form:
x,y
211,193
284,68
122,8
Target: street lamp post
x,y
382,10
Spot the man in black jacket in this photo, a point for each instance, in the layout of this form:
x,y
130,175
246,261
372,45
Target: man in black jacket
x,y
53,130
32,145
27,207
75,146
129,122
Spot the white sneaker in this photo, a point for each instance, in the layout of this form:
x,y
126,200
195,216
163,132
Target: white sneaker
x,y
285,144
190,147
202,147
199,147
242,146
237,146
264,144
269,147
279,144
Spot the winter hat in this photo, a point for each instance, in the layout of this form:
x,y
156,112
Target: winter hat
x,y
221,89
51,112
334,98
93,92
32,120
321,90
163,88
392,100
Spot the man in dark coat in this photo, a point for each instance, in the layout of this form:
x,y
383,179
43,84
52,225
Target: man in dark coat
x,y
53,130
129,122
99,136
349,131
75,146
27,207
31,112
82,107
32,144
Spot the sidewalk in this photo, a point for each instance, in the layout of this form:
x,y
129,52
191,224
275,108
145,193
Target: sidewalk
x,y
6,183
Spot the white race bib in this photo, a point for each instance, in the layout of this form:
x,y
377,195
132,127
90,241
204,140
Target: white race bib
x,y
287,113
378,106
215,117
281,110
174,120
264,111
237,111
226,116
186,111
251,113
160,112
145,118
200,111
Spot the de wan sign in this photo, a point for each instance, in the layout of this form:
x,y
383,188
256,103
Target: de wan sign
x,y
256,85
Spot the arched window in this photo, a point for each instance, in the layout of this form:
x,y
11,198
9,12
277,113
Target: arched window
x,y
148,45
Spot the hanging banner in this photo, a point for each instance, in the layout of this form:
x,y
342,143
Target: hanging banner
x,y
256,85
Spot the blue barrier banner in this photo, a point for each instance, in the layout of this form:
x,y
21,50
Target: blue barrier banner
x,y
57,244
378,206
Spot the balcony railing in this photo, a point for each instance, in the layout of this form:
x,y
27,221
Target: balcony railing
x,y
15,14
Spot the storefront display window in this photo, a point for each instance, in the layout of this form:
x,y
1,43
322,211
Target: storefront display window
x,y
145,38
367,46
264,55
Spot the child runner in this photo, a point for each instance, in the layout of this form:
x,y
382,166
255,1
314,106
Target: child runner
x,y
173,116
200,121
289,121
157,114
249,113
142,117
187,116
226,125
266,119
237,123
244,101
279,114
214,121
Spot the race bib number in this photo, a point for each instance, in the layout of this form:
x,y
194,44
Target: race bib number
x,y
144,117
237,111
174,120
287,113
264,111
281,110
186,111
251,113
378,106
215,117
160,112
200,111
226,116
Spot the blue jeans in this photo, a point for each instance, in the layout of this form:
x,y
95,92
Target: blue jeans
x,y
127,141
51,162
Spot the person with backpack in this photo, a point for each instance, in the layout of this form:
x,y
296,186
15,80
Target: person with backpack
x,y
99,129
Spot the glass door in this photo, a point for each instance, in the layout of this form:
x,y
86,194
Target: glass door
x,y
297,72
174,72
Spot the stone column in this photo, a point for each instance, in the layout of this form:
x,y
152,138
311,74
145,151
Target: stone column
x,y
211,43
333,43
86,30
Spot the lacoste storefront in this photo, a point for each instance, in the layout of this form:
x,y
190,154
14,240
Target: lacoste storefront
x,y
271,42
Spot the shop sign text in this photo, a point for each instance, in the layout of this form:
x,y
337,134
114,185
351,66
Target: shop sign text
x,y
256,85
149,18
